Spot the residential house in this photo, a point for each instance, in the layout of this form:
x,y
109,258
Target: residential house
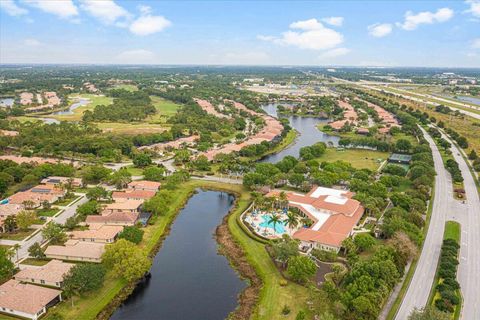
x,y
27,300
144,185
50,274
120,213
132,194
75,250
37,195
62,181
97,233
6,210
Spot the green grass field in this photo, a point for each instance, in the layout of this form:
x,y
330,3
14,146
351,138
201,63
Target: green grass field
x,y
128,87
359,158
452,231
95,100
165,109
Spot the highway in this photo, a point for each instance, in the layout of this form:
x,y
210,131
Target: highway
x,y
422,281
468,215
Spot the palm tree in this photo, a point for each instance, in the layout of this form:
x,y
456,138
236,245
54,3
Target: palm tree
x,y
292,220
274,219
16,247
283,199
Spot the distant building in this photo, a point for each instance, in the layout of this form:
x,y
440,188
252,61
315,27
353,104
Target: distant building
x,y
27,300
58,181
132,194
50,274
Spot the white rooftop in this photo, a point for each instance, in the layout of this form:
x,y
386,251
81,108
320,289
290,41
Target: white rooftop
x,y
336,200
321,217
321,191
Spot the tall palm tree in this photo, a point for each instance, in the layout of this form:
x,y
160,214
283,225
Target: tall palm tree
x,y
283,199
292,220
274,219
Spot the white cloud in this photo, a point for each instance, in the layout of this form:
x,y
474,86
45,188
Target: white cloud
x,y
474,7
148,24
63,9
12,8
106,11
476,43
412,21
137,56
337,52
472,54
310,24
31,42
379,30
145,9
313,36
334,21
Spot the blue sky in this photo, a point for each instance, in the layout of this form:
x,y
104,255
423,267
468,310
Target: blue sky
x,y
360,33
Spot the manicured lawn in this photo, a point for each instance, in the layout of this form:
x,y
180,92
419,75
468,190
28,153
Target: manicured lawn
x,y
128,87
47,212
131,127
359,158
35,262
452,231
65,201
135,171
17,236
95,100
165,109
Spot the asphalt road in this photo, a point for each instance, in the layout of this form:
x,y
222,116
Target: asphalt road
x,y
468,215
422,281
61,218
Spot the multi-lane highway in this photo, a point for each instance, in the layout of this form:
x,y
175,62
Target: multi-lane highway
x,y
422,281
468,215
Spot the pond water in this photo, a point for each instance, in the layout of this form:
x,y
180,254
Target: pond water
x,y
190,280
308,134
6,102
80,102
469,99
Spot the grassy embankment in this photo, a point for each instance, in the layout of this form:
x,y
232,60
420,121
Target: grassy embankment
x,y
273,296
445,103
358,158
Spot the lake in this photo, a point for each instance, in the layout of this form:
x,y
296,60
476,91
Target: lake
x,y
189,279
6,102
308,134
80,102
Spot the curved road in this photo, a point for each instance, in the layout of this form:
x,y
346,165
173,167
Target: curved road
x,y
422,281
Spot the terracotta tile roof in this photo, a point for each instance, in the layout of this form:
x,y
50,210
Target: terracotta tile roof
x,y
333,212
61,180
124,204
144,185
133,194
53,271
26,298
10,209
113,218
77,249
209,108
36,197
99,232
9,133
176,144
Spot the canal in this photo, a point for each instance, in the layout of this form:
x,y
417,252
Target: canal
x,y
190,280
308,134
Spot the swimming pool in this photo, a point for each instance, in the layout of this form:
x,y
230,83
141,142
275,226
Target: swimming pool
x,y
279,227
4,201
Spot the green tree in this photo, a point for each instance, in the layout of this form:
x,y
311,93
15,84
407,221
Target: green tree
x,y
285,248
403,145
292,220
153,173
274,219
142,160
120,178
6,266
126,260
364,241
301,268
54,232
85,277
35,251
132,234
97,193
88,208
71,223
95,174
25,219
10,223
